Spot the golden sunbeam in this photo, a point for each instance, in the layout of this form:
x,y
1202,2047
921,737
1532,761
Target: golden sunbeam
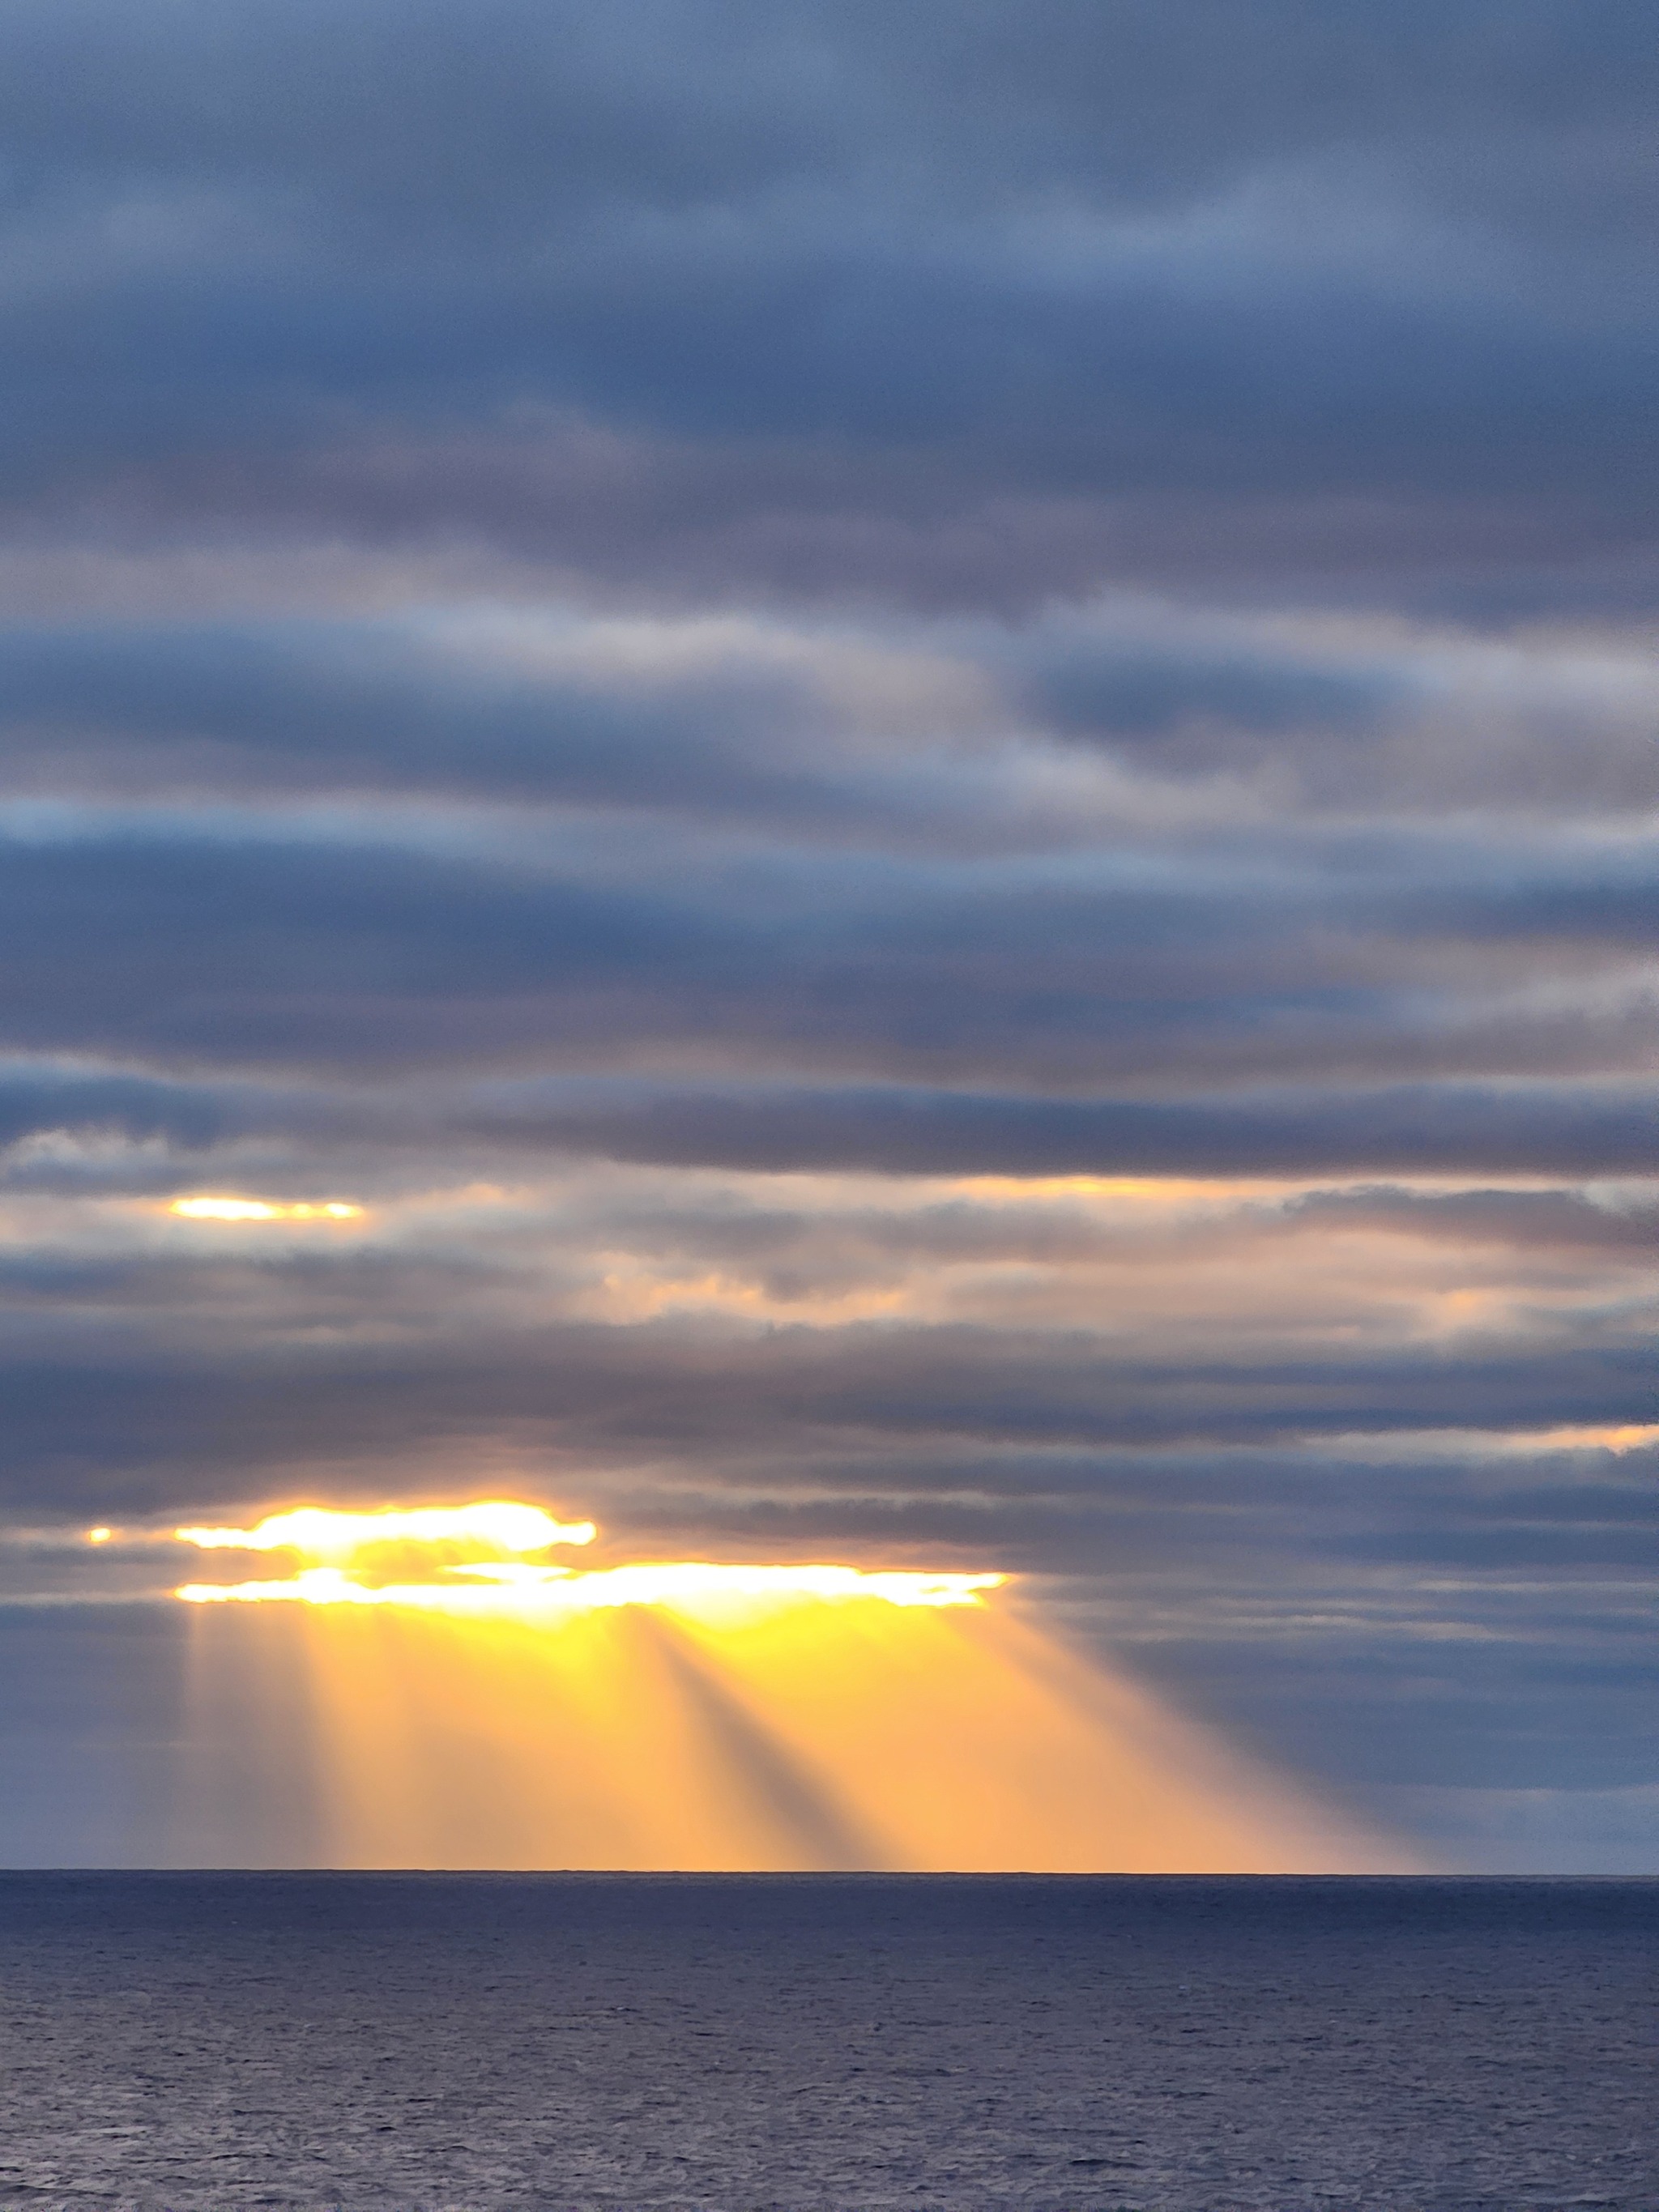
x,y
498,1712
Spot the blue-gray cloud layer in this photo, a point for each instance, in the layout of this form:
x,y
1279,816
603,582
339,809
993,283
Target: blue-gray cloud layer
x,y
845,299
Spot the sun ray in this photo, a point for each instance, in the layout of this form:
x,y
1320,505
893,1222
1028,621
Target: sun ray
x,y
494,1711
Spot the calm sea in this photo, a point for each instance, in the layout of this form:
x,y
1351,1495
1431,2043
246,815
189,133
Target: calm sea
x,y
631,2041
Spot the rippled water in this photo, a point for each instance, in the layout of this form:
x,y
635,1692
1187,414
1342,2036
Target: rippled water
x,y
624,2041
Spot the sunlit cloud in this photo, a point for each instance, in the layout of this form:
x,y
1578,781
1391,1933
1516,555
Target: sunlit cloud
x,y
1409,1444
1629,1436
513,1586
550,1594
206,1208
318,1532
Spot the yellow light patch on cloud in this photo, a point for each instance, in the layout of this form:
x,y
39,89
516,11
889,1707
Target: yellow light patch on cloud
x,y
318,1533
639,1294
547,1595
1629,1437
1146,1190
1404,1445
210,1208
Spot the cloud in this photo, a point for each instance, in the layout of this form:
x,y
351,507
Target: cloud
x,y
857,299
1132,721
1522,1129
359,952
105,1120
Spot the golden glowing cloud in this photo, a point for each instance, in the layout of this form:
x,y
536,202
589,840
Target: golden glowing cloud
x,y
318,1533
1629,1437
262,1209
546,1595
341,1549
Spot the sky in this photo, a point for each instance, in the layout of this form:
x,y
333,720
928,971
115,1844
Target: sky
x,y
921,743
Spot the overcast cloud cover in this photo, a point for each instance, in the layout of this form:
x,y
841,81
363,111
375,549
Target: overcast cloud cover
x,y
926,739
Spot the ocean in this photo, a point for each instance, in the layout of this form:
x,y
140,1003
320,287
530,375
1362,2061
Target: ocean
x,y
843,2042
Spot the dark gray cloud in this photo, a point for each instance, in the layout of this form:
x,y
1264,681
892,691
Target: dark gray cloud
x,y
262,1397
1520,1130
1128,695
976,260
1552,1218
246,949
331,708
1517,1129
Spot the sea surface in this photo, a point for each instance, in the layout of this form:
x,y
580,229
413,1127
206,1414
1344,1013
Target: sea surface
x,y
1067,2044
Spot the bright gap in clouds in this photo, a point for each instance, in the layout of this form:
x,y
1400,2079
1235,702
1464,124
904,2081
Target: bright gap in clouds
x,y
351,1558
262,1209
317,1532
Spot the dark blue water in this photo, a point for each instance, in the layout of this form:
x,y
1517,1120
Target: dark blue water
x,y
626,2041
